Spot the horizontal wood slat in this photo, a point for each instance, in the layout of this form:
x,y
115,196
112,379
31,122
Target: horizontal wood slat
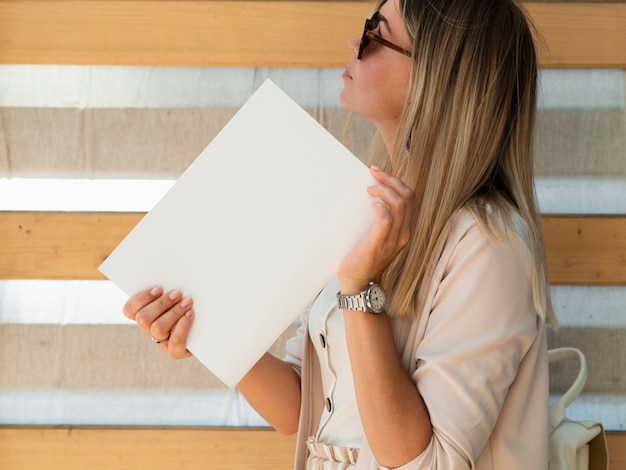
x,y
144,448
265,33
581,35
586,250
168,448
582,250
59,245
179,32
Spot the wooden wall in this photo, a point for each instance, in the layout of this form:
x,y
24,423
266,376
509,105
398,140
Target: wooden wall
x,y
583,250
267,33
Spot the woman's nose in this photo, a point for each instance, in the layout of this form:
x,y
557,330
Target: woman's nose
x,y
353,44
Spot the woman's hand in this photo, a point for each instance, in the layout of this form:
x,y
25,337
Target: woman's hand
x,y
392,231
164,317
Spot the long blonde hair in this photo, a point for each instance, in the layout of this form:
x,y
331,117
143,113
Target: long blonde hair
x,y
466,135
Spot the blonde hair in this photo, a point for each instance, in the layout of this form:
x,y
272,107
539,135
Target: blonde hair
x,y
466,135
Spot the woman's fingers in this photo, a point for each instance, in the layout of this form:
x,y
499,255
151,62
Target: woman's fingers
x,y
141,299
177,343
392,182
394,212
161,328
159,305
393,209
164,317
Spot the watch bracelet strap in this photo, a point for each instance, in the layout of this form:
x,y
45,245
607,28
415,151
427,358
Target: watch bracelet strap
x,y
351,302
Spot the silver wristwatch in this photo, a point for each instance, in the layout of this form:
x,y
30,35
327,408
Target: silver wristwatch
x,y
372,300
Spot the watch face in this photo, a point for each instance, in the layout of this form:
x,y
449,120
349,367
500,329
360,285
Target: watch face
x,y
377,299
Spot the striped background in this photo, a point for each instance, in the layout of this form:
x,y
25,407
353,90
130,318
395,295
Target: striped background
x,y
72,136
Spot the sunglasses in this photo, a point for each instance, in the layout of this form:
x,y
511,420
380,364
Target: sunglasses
x,y
370,25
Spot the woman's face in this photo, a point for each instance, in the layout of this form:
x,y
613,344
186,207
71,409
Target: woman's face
x,y
376,86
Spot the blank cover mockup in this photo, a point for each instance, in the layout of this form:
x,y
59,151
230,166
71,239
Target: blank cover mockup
x,y
252,230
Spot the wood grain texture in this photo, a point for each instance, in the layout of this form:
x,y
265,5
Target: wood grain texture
x,y
144,448
264,33
24,448
586,250
59,245
179,32
616,442
582,250
580,35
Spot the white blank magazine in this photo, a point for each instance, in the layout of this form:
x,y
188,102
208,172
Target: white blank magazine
x,y
252,230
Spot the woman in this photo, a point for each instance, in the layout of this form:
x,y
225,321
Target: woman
x,y
445,366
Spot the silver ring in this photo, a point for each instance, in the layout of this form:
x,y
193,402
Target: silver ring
x,y
158,341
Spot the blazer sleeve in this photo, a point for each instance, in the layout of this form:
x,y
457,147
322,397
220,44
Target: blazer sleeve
x,y
481,325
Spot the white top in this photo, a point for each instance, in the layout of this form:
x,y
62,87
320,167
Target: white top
x,y
340,423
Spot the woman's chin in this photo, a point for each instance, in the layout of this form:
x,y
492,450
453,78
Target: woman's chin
x,y
344,100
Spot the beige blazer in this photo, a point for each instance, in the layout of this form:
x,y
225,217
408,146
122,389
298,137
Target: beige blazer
x,y
477,356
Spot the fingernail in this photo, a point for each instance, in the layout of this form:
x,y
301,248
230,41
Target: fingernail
x,y
155,291
189,314
375,168
173,295
186,302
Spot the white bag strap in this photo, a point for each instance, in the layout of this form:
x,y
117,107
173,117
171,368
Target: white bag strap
x,y
557,409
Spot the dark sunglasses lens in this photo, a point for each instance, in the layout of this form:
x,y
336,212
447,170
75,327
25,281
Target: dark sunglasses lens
x,y
370,25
